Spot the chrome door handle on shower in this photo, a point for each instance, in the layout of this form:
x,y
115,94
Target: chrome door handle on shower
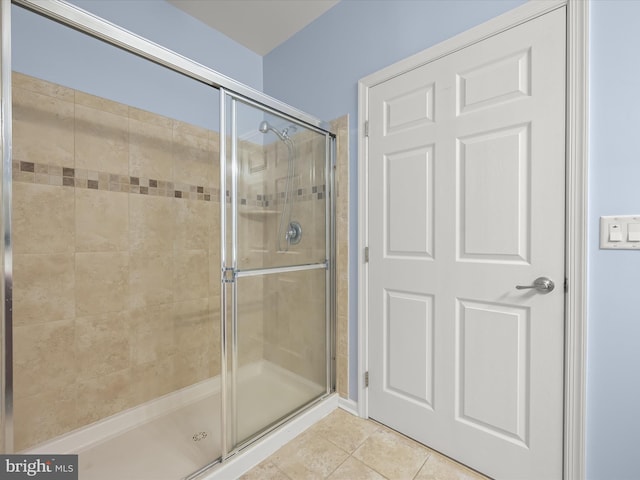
x,y
542,284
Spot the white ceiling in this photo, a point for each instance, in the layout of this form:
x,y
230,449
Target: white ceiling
x,y
260,25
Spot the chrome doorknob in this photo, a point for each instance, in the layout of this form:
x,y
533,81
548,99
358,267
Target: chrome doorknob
x,y
542,284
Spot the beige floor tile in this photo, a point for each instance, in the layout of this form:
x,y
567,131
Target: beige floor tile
x,y
345,430
309,456
265,471
383,453
354,469
439,467
393,455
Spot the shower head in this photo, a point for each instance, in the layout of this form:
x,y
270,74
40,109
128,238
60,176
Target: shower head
x,y
265,127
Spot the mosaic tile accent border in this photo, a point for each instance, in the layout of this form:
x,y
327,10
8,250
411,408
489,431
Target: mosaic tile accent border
x,y
315,192
31,172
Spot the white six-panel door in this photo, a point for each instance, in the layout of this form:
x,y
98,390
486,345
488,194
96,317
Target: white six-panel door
x,y
466,200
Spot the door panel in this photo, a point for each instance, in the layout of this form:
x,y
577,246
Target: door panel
x,y
280,181
495,82
494,204
409,109
409,195
466,201
409,329
281,356
492,377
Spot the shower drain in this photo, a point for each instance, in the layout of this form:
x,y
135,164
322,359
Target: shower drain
x,y
199,436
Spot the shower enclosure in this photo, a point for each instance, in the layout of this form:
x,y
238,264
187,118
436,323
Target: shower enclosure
x,y
168,252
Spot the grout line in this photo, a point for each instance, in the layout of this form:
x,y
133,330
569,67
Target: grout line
x,y
370,467
338,466
279,470
422,466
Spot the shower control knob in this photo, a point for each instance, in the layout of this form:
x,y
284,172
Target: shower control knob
x,y
294,235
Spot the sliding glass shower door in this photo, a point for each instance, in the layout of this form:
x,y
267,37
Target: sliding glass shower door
x,y
276,266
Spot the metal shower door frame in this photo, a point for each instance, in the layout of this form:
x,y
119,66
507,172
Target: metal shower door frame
x,y
96,27
230,271
6,383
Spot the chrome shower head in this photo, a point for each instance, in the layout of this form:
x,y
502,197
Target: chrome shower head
x,y
265,127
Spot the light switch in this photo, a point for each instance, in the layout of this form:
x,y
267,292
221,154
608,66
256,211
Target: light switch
x,y
620,232
615,232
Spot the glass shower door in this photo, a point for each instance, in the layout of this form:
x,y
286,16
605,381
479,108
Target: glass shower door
x,y
277,262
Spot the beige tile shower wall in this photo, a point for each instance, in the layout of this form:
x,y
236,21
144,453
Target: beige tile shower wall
x,y
341,127
116,257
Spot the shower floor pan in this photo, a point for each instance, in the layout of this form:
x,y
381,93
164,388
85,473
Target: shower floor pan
x,y
168,438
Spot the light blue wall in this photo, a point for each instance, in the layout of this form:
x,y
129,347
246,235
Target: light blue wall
x,y
613,386
317,70
47,50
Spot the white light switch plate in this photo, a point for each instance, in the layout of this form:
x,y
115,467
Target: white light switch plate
x,y
617,227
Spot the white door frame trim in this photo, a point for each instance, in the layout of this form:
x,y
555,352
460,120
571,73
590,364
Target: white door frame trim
x,y
576,203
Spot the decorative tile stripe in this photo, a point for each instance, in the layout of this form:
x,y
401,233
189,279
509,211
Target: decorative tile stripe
x,y
30,172
316,192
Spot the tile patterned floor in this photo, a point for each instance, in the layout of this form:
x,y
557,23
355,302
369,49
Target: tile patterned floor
x,y
345,447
